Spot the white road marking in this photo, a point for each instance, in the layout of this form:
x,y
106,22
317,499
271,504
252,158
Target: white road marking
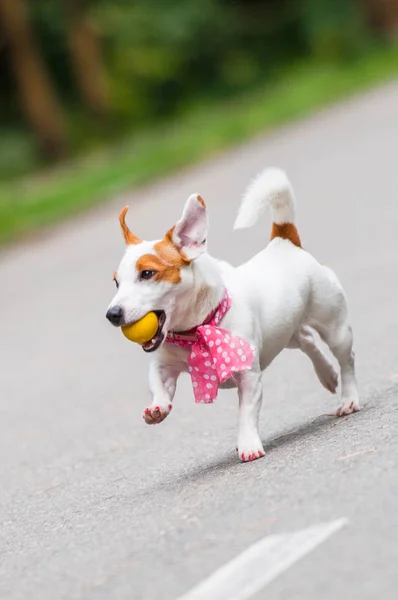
x,y
257,566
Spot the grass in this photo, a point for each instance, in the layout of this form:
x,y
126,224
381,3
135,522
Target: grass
x,y
43,199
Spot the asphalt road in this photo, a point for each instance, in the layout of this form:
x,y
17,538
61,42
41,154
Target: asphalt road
x,y
97,505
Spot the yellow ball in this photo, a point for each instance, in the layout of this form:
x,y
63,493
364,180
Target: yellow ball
x,y
143,330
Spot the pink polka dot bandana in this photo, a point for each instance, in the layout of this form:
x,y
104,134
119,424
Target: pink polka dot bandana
x,y
215,354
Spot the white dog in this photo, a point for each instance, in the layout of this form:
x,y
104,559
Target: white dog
x,y
272,302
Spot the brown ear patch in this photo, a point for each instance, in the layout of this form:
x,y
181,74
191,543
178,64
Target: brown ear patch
x,y
128,235
286,231
164,272
169,253
167,262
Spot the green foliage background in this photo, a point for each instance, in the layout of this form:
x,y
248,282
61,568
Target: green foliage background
x,y
184,80
163,56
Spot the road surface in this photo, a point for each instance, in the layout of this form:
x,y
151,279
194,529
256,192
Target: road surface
x,y
97,505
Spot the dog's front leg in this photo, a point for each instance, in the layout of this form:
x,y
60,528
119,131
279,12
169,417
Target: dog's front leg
x,y
250,392
162,385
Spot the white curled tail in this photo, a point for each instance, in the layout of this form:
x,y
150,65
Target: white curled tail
x,y
270,189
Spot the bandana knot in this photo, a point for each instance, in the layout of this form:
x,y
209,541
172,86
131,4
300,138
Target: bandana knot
x,y
216,355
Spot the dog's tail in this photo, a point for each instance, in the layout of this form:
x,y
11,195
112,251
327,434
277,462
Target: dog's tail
x,y
271,188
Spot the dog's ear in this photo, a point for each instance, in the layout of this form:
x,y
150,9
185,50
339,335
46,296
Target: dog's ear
x,y
189,234
128,235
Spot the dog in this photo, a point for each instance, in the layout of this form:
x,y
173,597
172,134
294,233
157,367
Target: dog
x,y
276,300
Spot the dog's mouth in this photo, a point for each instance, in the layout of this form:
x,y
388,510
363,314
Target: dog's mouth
x,y
158,338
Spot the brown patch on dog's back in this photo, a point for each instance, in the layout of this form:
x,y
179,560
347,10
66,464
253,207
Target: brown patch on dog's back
x,y
286,231
164,272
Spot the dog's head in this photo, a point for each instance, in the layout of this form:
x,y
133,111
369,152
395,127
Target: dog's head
x,y
156,276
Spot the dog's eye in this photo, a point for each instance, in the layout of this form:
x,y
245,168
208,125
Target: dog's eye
x,y
116,282
147,274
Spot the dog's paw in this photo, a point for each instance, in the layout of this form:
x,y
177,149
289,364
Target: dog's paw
x,y
330,379
156,414
248,452
347,408
327,376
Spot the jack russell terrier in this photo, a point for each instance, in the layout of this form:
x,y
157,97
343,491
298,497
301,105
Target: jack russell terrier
x,y
225,325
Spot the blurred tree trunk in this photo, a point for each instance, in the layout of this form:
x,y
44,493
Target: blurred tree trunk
x,y
383,16
84,47
37,95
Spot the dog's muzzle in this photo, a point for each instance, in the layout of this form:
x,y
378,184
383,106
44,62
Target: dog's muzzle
x,y
115,315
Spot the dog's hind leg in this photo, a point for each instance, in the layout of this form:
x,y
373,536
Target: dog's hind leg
x,y
328,315
305,341
340,340
250,392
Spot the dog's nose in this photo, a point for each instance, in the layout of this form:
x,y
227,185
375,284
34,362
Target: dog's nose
x,y
114,315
